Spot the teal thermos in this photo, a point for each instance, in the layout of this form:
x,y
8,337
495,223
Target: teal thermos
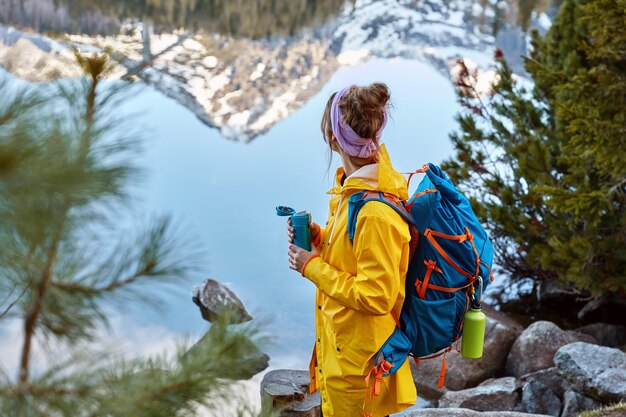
x,y
474,329
300,222
302,234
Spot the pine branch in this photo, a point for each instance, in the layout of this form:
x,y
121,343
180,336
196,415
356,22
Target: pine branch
x,y
202,375
32,316
12,304
112,286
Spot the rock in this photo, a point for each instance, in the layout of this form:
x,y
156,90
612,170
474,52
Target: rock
x,y
250,359
493,395
574,403
611,335
463,412
214,299
539,399
596,371
551,378
287,390
500,333
534,349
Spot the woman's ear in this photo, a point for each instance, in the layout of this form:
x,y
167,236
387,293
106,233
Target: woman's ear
x,y
334,144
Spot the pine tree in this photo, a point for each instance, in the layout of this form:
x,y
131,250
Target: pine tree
x,y
544,163
66,174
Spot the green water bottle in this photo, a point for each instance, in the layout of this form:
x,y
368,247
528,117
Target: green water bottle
x,y
474,329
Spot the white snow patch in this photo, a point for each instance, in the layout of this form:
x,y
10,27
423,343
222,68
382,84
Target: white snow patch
x,y
484,78
239,120
258,72
210,61
160,42
196,84
278,111
218,82
193,45
353,57
544,21
315,71
226,108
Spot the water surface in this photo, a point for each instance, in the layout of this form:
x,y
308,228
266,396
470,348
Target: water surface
x,y
226,192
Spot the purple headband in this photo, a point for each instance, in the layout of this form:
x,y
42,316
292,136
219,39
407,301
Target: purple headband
x,y
349,140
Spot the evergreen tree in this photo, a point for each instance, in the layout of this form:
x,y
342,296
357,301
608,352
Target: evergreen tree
x,y
66,174
545,163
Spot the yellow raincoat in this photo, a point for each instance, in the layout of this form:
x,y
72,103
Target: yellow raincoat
x,y
359,284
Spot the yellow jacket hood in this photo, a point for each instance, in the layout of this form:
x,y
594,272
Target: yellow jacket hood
x,y
380,176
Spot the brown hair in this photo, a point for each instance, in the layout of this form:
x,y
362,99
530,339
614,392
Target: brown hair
x,y
362,109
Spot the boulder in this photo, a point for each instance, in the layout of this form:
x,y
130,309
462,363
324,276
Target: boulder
x,y
539,399
534,349
288,391
500,333
463,412
574,403
250,359
550,378
216,300
492,395
596,371
611,335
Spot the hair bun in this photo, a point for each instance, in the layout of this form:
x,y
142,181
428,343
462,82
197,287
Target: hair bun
x,y
379,95
363,108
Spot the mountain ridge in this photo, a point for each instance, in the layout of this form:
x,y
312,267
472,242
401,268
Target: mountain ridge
x,y
243,86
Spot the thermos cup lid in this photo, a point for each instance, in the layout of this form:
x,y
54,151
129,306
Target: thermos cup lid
x,y
285,211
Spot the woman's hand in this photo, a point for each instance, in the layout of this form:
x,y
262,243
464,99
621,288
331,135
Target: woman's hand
x,y
313,227
298,257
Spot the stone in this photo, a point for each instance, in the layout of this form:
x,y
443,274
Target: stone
x,y
551,378
250,359
288,391
500,333
539,399
534,349
596,371
493,395
215,299
574,403
610,335
462,412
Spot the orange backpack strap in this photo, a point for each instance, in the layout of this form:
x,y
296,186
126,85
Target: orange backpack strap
x,y
377,372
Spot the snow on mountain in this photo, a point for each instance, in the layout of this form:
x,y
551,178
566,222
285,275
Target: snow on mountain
x,y
413,29
242,86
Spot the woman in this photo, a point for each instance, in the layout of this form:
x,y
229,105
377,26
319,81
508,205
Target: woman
x,y
360,284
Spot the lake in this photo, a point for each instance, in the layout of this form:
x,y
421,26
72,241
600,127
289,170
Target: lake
x,y
226,192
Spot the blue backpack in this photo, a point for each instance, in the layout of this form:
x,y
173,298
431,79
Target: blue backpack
x,y
450,254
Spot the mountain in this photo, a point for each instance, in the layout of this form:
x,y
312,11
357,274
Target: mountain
x,y
244,86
